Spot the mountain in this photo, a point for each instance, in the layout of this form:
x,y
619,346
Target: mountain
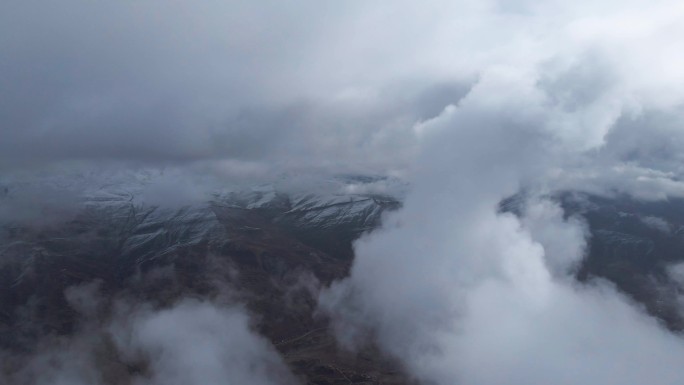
x,y
269,249
636,245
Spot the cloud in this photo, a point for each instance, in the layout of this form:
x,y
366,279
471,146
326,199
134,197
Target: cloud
x,y
190,342
196,342
563,239
462,293
252,90
227,83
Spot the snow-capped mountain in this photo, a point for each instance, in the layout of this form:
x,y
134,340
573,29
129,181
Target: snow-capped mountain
x,y
263,242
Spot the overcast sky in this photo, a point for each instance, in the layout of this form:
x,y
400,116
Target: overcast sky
x,y
469,101
261,88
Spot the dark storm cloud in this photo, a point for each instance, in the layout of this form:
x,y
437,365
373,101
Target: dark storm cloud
x,y
123,80
311,86
159,83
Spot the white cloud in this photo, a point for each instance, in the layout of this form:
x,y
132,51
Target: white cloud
x,y
200,343
190,342
463,294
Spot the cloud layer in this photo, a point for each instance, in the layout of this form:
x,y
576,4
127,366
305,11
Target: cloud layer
x,y
240,89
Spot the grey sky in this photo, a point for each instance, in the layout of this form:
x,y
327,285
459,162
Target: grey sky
x,y
310,86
